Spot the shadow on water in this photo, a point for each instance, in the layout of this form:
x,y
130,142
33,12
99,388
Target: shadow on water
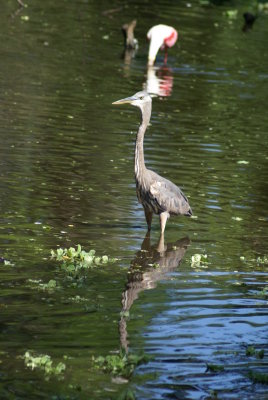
x,y
150,265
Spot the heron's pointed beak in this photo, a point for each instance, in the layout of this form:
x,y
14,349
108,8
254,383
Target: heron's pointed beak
x,y
127,100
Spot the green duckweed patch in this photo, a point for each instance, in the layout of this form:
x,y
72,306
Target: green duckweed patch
x,y
252,352
44,363
74,260
258,377
122,364
215,368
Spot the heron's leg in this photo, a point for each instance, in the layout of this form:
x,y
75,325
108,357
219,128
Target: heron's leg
x,y
163,219
149,217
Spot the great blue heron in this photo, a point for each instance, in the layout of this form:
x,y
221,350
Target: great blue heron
x,y
163,36
157,194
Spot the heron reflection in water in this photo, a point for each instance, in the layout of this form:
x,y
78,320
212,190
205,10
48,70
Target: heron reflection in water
x,y
158,195
150,265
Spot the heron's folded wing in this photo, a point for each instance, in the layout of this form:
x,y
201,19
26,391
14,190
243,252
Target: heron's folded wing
x,y
169,197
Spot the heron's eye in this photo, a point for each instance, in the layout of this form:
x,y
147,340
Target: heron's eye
x,y
141,98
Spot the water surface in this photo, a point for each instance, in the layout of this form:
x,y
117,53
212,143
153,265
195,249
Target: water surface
x,y
67,177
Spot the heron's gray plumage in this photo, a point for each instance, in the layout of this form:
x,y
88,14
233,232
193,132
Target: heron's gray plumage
x,y
157,194
167,196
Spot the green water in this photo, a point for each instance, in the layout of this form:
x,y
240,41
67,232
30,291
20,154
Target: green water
x,y
66,159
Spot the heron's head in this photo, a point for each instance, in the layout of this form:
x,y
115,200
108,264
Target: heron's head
x,y
139,99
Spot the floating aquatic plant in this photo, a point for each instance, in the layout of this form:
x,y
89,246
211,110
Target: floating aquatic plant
x,y
127,394
25,17
199,260
259,260
37,284
44,363
125,314
6,262
263,292
258,377
252,352
122,364
213,394
215,368
78,299
263,6
154,265
74,260
262,260
204,2
243,162
231,14
237,219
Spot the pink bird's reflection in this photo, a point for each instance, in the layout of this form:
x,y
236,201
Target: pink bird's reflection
x,y
159,81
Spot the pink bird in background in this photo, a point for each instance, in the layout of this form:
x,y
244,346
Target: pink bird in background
x,y
160,36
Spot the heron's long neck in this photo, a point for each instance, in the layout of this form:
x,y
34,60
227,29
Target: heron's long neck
x,y
139,154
